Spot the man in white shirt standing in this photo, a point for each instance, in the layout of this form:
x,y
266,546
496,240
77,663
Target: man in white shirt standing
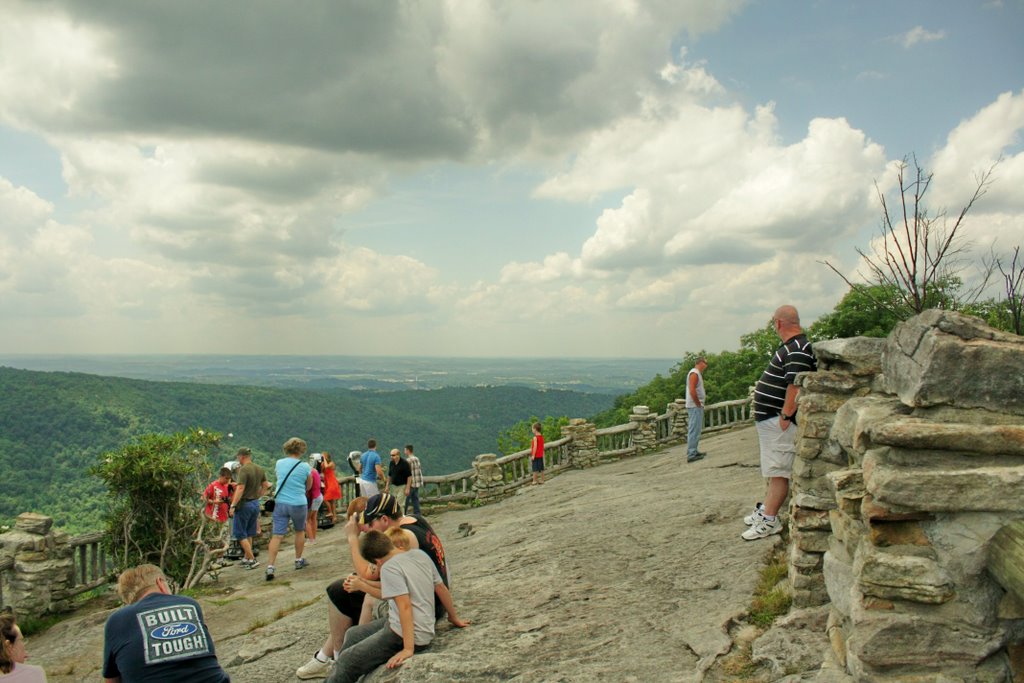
x,y
695,409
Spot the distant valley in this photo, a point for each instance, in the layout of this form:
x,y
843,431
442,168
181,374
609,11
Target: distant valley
x,y
363,373
53,426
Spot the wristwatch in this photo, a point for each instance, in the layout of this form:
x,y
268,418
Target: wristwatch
x,y
787,418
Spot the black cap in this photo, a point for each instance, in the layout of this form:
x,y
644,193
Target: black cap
x,y
380,505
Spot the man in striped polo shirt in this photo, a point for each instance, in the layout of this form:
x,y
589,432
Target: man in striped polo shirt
x,y
775,413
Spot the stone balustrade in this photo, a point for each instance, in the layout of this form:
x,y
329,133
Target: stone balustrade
x,y
41,569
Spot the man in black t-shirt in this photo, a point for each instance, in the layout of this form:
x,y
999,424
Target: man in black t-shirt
x,y
775,413
399,478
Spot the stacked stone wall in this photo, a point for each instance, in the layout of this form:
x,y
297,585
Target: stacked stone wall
x,y
645,438
912,449
43,567
583,451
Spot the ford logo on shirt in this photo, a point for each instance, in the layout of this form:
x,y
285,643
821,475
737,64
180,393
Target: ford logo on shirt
x,y
168,631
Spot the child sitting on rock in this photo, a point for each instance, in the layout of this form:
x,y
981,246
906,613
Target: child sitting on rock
x,y
408,581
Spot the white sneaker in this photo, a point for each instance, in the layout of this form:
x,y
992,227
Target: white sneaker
x,y
314,668
753,517
763,529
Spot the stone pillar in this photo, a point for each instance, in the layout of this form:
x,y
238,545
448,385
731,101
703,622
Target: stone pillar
x,y
846,369
934,466
488,481
43,566
680,418
583,448
645,438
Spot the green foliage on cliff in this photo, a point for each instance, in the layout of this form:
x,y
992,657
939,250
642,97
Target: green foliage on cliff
x,y
154,513
55,425
730,374
518,437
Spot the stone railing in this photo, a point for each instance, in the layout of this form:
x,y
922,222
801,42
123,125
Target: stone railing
x,y
908,501
42,569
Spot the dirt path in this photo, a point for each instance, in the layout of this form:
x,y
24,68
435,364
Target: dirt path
x,y
625,572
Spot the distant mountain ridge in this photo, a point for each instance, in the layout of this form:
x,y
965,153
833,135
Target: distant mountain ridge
x,y
53,425
369,373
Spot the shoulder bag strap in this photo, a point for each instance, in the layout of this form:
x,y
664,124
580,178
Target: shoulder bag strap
x,y
285,480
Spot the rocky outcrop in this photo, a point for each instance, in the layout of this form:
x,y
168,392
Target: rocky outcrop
x,y
42,571
913,445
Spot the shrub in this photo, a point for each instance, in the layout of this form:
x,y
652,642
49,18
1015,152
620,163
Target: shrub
x,y
155,513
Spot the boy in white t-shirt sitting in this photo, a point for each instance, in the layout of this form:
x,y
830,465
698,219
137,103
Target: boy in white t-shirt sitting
x,y
408,580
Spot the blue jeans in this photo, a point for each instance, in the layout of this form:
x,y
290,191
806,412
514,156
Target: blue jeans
x,y
695,424
246,520
413,500
366,647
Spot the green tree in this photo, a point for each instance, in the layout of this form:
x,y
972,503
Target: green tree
x,y
858,314
155,515
518,436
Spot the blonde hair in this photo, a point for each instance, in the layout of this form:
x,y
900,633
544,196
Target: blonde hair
x,y
399,537
294,446
135,582
357,505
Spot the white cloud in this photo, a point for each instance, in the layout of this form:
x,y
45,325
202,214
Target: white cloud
x,y
917,35
554,267
209,164
714,185
976,145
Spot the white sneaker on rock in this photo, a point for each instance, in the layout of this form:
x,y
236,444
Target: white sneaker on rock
x,y
763,529
755,516
314,668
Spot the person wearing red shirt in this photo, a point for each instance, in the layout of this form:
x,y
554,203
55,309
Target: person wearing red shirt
x,y
537,454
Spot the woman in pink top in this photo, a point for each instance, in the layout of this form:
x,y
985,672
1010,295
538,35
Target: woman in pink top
x,y
315,498
13,668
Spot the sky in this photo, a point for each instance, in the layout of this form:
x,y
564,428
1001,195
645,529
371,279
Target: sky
x,y
585,178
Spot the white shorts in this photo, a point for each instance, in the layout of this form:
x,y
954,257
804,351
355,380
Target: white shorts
x,y
778,448
315,504
368,488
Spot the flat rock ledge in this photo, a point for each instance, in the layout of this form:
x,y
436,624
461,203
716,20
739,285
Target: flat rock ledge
x,y
629,572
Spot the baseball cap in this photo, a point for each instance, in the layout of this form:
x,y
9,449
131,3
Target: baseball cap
x,y
378,506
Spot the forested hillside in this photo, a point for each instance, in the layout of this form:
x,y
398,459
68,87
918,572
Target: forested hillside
x,y
53,425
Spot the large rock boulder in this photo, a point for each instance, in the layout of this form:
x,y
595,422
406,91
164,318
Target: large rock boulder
x,y
947,358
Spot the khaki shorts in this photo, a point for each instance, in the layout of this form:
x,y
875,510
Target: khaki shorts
x,y
778,448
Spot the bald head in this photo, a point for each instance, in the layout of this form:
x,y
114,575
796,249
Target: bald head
x,y
787,315
786,322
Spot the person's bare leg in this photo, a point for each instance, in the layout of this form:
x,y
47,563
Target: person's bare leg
x,y
339,624
778,489
246,544
311,526
272,548
300,542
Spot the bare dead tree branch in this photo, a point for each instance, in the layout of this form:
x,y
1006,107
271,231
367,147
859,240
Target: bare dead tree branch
x,y
1013,283
918,258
